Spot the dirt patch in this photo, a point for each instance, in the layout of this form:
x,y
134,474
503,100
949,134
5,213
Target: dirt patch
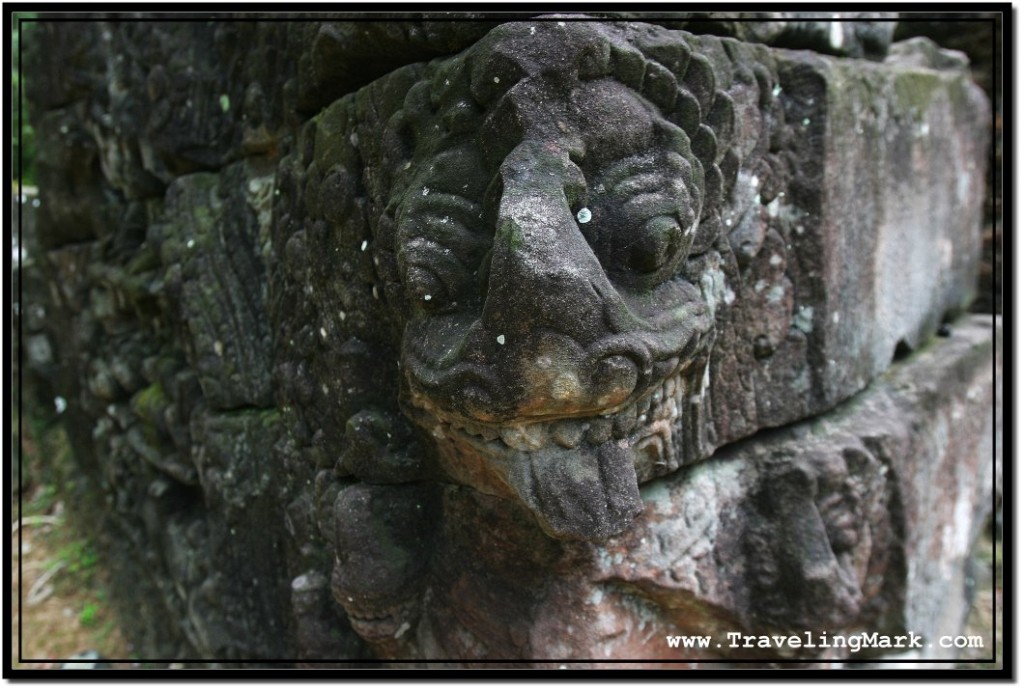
x,y
60,606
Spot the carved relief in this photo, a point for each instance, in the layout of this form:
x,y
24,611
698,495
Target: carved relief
x,y
555,200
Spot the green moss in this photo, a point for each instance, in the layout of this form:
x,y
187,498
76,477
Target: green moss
x,y
914,92
270,418
150,402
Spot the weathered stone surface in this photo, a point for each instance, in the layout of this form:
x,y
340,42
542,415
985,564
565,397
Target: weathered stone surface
x,y
214,234
607,313
840,525
325,352
980,37
339,55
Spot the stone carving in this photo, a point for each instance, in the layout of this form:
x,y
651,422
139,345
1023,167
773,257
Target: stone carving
x,y
543,237
545,247
437,346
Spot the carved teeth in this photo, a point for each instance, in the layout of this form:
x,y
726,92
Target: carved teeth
x,y
524,437
568,433
624,422
535,435
630,425
600,430
512,436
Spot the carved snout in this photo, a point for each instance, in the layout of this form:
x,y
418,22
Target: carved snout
x,y
549,302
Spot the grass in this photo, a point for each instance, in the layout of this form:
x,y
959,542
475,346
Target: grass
x,y
58,590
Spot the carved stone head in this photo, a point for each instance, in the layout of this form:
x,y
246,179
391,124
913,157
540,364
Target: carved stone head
x,y
552,192
538,218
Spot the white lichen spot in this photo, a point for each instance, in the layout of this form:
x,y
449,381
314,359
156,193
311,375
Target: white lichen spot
x,y
191,243
533,30
501,339
60,404
376,296
426,191
497,80
805,122
561,23
776,90
773,208
760,286
354,138
835,317
923,129
754,181
730,296
341,315
323,387
728,223
402,629
775,260
323,332
776,293
362,247
804,319
218,348
63,129
426,298
445,220
583,215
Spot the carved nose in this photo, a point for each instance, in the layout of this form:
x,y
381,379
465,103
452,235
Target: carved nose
x,y
549,300
543,273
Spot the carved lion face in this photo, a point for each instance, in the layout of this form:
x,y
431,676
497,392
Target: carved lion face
x,y
547,216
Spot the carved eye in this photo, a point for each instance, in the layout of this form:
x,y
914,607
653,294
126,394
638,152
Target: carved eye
x,y
642,217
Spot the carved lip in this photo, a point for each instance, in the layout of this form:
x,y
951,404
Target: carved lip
x,y
645,424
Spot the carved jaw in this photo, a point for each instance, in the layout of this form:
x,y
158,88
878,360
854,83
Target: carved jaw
x,y
381,621
578,475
